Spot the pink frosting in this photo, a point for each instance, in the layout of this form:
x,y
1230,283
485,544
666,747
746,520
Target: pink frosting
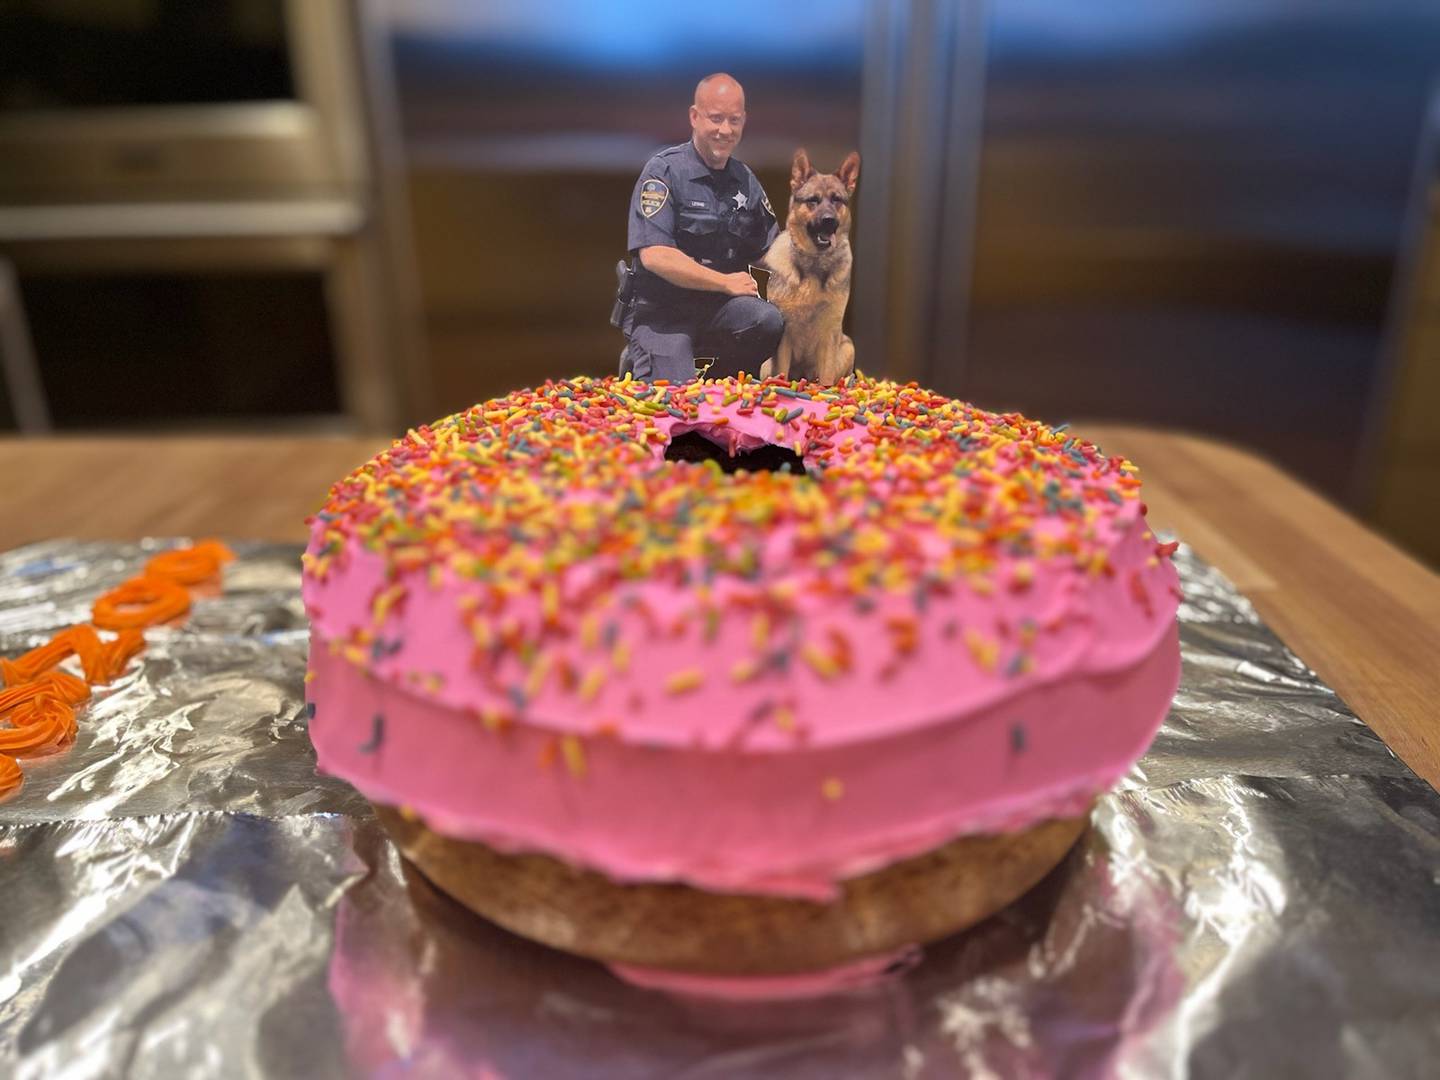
x,y
705,787
1095,625
739,820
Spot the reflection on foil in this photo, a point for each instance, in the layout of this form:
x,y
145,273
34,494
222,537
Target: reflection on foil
x,y
183,895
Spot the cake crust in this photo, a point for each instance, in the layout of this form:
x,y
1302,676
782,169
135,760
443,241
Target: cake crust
x,y
679,928
737,678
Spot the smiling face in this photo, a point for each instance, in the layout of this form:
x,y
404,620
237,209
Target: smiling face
x,y
820,202
717,119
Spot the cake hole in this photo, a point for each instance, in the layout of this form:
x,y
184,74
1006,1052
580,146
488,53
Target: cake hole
x,y
692,446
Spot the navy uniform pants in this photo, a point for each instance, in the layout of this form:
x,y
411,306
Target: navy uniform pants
x,y
741,332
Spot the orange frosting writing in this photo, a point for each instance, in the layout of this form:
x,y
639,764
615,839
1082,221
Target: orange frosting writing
x,y
37,702
190,566
141,601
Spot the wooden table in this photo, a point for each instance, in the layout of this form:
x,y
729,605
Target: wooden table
x,y
1357,610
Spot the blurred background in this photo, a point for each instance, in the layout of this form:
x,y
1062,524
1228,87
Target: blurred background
x,y
318,215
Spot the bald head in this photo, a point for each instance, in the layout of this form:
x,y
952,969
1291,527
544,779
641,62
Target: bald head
x,y
717,118
719,89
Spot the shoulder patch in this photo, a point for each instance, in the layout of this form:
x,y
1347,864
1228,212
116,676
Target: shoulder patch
x,y
765,201
653,194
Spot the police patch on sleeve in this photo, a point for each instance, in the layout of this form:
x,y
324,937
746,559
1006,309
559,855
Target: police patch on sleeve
x,y
653,194
765,201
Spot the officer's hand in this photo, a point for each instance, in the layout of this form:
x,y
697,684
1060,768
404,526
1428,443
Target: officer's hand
x,y
740,284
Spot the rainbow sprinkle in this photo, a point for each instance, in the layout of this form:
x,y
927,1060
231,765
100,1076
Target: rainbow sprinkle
x,y
683,682
903,491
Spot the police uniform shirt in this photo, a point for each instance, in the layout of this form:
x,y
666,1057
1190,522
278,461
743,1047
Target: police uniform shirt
x,y
721,218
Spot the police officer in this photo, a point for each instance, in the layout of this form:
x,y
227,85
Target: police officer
x,y
697,218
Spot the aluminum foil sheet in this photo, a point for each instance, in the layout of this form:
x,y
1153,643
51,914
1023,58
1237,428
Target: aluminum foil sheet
x,y
182,895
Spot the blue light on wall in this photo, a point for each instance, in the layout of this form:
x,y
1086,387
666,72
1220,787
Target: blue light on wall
x,y
620,33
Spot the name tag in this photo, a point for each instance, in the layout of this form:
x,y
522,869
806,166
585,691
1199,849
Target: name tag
x,y
697,204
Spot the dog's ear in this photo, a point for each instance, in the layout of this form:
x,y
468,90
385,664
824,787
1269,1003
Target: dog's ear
x,y
850,170
800,169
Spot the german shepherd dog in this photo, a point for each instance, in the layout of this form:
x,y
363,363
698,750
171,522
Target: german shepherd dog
x,y
809,266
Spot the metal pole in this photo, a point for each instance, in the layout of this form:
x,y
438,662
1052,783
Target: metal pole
x,y
22,375
921,109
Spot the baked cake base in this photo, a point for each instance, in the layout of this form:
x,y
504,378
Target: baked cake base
x,y
695,941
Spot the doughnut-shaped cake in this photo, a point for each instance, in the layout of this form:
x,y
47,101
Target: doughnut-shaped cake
x,y
611,656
